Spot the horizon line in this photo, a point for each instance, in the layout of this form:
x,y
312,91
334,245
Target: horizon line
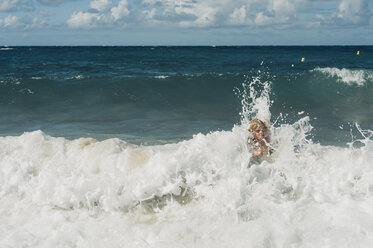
x,y
9,46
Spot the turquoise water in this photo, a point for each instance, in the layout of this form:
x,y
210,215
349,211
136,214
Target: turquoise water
x,y
167,94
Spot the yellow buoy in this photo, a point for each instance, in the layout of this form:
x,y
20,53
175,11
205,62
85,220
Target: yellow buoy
x,y
358,53
303,60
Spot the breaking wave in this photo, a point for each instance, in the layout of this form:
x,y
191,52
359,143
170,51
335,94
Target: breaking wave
x,y
203,191
348,76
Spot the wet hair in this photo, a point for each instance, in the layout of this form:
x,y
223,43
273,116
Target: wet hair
x,y
256,123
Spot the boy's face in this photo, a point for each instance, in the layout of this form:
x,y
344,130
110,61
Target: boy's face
x,y
259,133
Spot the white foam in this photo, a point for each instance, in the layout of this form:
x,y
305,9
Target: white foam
x,y
161,77
79,77
348,76
196,193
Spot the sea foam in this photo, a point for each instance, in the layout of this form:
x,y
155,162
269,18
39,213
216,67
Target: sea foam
x,y
348,76
201,192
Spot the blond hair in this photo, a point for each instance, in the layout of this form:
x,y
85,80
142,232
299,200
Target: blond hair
x,y
256,123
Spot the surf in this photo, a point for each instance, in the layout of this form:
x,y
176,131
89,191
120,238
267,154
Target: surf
x,y
357,77
201,190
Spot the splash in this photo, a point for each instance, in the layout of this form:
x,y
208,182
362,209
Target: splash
x,y
255,100
198,192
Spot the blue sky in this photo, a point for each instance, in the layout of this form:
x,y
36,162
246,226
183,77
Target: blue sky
x,y
186,22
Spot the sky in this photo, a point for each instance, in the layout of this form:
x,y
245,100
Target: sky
x,y
186,22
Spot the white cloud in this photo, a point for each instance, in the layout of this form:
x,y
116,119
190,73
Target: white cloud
x,y
279,12
192,13
239,16
224,12
83,20
348,13
10,21
6,5
106,16
148,14
120,11
352,12
35,23
220,13
23,23
100,5
263,19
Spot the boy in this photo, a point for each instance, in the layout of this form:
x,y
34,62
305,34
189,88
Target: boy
x,y
260,139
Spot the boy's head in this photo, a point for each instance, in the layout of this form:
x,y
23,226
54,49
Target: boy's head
x,y
258,128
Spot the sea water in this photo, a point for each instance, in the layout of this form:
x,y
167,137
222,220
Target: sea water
x,y
147,147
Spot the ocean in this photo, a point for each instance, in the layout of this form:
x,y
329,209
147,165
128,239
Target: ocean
x,y
147,146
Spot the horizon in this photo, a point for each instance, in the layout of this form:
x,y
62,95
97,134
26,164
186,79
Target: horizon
x,y
11,46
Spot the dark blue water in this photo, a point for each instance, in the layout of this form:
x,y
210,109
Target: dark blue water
x,y
155,94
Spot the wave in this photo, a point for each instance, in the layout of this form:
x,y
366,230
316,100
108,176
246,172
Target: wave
x,y
201,191
179,106
348,76
161,77
77,77
207,178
